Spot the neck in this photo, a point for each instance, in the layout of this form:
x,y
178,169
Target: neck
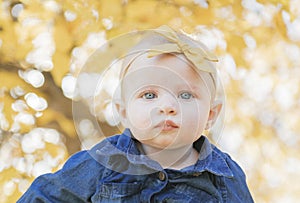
x,y
172,158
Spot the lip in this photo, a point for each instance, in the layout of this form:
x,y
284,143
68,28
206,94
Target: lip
x,y
168,125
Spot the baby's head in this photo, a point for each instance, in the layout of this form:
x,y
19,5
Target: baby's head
x,y
168,89
164,41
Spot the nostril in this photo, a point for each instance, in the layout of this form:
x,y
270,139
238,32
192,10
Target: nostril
x,y
169,111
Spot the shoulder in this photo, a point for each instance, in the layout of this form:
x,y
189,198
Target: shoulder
x,y
87,157
216,161
232,164
236,185
113,144
81,159
76,181
84,160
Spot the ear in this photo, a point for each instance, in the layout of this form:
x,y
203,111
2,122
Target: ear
x,y
121,110
214,112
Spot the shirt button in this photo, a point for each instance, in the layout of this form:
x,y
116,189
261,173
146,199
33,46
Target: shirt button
x,y
161,176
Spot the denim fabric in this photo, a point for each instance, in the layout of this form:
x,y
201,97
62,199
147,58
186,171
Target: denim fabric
x,y
115,171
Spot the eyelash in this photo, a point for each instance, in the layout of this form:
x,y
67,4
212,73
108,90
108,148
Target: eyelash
x,y
190,95
143,95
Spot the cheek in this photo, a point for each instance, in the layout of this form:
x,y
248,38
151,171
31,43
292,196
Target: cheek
x,y
195,115
139,115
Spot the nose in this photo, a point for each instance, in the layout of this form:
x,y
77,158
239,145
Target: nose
x,y
168,106
168,111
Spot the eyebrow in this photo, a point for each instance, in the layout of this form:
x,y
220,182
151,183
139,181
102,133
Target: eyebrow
x,y
193,87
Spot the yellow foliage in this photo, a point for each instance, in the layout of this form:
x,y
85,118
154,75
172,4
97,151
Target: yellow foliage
x,y
284,3
8,42
235,46
65,124
269,126
7,182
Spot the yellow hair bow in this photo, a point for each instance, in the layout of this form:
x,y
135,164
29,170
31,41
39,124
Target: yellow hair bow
x,y
178,43
195,54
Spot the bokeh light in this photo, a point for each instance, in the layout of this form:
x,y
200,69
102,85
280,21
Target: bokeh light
x,y
44,45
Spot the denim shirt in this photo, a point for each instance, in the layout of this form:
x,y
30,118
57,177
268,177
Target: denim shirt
x,y
115,171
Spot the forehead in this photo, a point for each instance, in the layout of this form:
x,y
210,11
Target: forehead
x,y
176,62
166,70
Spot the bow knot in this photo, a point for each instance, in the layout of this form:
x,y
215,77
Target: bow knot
x,y
197,55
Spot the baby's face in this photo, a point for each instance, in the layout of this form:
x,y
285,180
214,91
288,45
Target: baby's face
x,y
166,103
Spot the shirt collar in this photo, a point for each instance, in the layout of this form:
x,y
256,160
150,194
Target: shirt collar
x,y
125,147
211,159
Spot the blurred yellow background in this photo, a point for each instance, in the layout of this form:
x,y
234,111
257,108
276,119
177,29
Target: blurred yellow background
x,y
44,43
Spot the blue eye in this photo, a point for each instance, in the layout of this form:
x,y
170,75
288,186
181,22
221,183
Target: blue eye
x,y
185,95
149,95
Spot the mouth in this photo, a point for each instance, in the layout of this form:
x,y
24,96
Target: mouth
x,y
168,125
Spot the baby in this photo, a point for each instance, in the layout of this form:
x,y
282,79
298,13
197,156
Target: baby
x,y
168,99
